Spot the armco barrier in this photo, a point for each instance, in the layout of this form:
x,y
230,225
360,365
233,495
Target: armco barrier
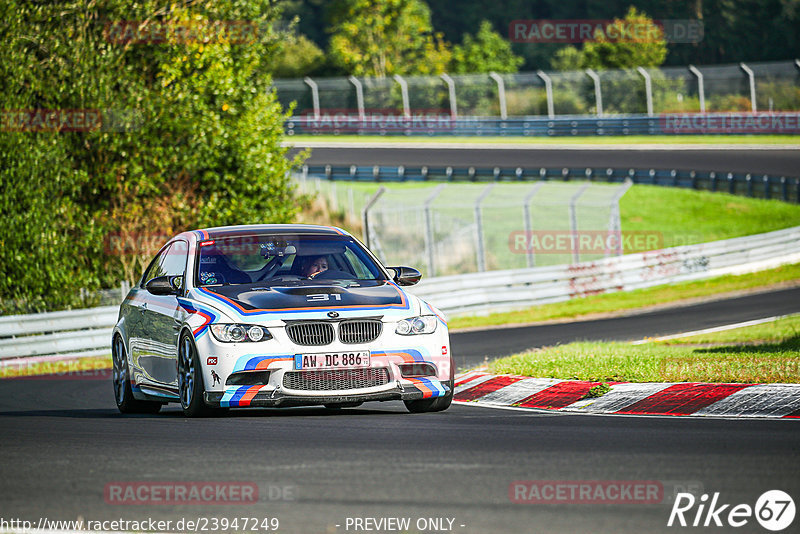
x,y
82,332
739,123
88,332
505,290
767,186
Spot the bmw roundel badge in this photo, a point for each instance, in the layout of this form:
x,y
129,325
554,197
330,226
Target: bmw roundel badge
x,y
333,314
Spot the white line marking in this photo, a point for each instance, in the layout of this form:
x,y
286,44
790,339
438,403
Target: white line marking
x,y
710,330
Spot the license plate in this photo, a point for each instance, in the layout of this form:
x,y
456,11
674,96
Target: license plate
x,y
332,360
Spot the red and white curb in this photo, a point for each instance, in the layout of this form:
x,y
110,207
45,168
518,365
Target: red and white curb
x,y
628,398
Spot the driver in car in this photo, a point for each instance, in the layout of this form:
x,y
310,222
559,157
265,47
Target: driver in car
x,y
315,265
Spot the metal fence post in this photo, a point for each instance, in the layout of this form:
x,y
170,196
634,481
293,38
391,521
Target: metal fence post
x,y
548,87
615,223
700,89
314,95
528,223
481,252
501,94
404,92
598,93
429,229
359,97
752,78
365,212
573,223
451,91
648,88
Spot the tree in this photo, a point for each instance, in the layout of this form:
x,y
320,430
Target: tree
x,y
298,57
635,41
385,37
488,51
630,49
191,135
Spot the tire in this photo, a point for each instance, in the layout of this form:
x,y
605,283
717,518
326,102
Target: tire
x,y
439,404
190,380
120,377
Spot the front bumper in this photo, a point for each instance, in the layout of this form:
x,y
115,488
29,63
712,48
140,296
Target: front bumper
x,y
265,396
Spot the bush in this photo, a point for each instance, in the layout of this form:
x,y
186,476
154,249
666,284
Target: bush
x,y
200,143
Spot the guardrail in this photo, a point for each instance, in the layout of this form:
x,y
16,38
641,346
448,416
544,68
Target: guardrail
x,y
767,186
505,290
746,123
88,332
82,333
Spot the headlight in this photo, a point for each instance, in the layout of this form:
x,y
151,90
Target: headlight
x,y
236,333
423,324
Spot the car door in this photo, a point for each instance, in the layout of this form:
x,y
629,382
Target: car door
x,y
161,321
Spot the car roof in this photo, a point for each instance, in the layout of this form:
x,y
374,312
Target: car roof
x,y
250,229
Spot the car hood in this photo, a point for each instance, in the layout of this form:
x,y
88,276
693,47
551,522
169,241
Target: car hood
x,y
250,301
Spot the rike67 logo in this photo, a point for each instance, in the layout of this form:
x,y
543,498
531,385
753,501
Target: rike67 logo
x,y
774,510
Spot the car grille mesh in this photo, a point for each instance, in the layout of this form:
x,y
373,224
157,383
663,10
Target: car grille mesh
x,y
310,333
359,331
336,379
315,333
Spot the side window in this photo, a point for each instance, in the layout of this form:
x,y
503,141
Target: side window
x,y
170,262
155,269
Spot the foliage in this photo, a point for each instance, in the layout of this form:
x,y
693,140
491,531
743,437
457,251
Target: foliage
x,y
191,136
488,51
298,57
607,51
385,37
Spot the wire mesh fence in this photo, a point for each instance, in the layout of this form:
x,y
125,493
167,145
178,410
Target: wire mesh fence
x,y
766,86
445,229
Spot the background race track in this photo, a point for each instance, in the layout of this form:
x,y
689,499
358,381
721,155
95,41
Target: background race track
x,y
778,161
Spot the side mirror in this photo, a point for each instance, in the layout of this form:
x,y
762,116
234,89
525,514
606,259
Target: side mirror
x,y
164,285
406,276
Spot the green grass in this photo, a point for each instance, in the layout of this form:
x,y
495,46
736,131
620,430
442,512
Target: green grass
x,y
771,332
631,300
774,361
686,217
589,140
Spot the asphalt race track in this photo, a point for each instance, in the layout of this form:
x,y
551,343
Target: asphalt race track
x,y
64,442
774,161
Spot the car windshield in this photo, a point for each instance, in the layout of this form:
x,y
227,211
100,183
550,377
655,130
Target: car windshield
x,y
283,259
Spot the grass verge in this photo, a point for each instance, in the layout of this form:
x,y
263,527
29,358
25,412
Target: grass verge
x,y
587,140
767,353
632,300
